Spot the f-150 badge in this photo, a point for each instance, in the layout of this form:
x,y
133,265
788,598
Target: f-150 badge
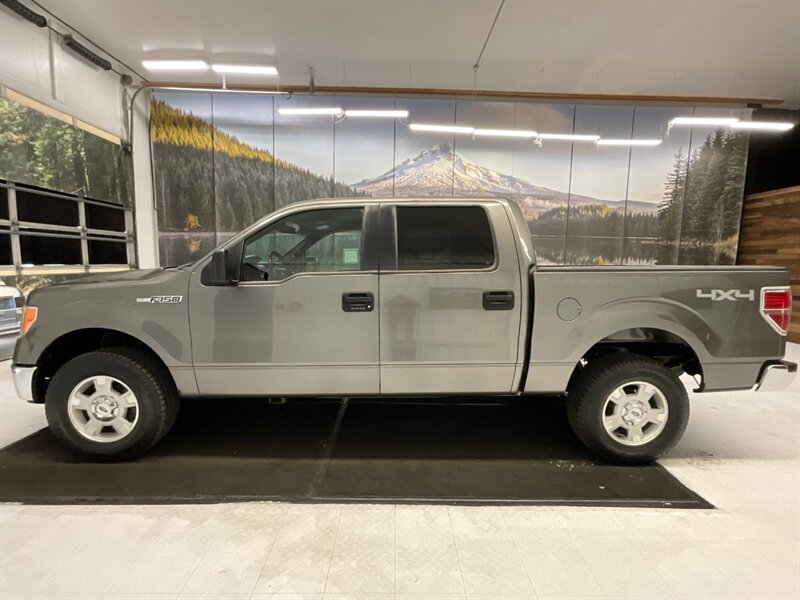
x,y
733,295
161,299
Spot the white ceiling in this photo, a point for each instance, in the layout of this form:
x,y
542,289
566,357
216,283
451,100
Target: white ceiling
x,y
701,47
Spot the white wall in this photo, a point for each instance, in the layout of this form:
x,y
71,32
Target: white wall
x,y
34,63
146,224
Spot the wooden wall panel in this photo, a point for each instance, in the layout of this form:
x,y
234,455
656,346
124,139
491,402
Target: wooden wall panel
x,y
770,235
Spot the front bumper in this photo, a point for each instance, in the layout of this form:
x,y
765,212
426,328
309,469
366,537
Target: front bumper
x,y
776,376
23,381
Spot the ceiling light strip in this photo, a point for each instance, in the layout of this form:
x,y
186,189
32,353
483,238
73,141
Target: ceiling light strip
x,y
763,125
576,137
633,142
708,121
244,69
441,128
332,111
517,133
384,114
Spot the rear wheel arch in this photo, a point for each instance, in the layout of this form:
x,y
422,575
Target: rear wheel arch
x,y
669,348
81,341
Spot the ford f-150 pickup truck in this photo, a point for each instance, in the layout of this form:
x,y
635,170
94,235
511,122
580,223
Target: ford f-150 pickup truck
x,y
429,297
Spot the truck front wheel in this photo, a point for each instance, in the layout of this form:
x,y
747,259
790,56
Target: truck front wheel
x,y
627,409
113,403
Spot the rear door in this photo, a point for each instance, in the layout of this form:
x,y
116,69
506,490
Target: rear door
x,y
450,304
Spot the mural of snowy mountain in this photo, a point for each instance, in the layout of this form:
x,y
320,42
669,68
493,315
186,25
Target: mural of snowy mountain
x,y
441,170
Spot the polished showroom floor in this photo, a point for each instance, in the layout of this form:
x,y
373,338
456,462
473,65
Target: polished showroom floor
x,y
741,452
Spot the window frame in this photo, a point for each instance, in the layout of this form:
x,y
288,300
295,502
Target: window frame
x,y
369,242
390,251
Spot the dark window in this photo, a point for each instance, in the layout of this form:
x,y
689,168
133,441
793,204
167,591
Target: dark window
x,y
42,250
102,217
443,237
5,249
4,203
41,208
107,253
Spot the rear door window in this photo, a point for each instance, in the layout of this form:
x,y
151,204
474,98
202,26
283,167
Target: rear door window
x,y
433,238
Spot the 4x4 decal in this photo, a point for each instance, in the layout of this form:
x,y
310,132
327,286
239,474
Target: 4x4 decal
x,y
733,295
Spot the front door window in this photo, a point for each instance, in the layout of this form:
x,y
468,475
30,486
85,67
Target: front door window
x,y
323,240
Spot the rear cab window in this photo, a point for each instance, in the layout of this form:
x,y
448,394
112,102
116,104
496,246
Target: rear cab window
x,y
436,238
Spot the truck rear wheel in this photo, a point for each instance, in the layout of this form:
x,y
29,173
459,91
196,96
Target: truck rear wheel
x,y
114,403
627,409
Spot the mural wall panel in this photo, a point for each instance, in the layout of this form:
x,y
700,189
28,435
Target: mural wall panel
x,y
239,157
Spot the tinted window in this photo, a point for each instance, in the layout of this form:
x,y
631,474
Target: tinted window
x,y
44,250
443,237
324,240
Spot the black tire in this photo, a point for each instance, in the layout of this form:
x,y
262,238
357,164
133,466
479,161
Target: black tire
x,y
157,397
587,396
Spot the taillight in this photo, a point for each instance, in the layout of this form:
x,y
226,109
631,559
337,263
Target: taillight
x,y
776,307
29,314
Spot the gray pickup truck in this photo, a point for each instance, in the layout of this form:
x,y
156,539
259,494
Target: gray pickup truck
x,y
365,297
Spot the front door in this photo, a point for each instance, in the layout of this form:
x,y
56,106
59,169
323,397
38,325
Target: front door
x,y
303,318
450,302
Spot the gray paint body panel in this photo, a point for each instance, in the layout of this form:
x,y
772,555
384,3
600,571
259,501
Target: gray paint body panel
x,y
730,337
428,333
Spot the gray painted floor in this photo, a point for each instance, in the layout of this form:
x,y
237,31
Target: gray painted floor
x,y
741,452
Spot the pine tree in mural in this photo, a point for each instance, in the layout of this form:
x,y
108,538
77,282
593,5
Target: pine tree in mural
x,y
40,150
702,201
227,183
669,211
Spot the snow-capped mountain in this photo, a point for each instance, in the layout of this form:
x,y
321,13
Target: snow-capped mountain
x,y
441,169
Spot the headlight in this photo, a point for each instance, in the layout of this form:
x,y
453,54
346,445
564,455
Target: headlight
x,y
29,314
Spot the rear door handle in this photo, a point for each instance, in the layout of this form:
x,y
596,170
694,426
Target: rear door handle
x,y
498,300
358,301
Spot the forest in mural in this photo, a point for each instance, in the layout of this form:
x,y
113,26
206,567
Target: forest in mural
x,y
43,151
221,161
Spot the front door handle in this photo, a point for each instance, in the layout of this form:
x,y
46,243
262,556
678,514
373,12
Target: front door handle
x,y
358,301
498,300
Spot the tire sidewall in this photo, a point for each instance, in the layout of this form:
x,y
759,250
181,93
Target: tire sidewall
x,y
100,363
613,376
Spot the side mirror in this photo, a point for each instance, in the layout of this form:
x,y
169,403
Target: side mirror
x,y
222,270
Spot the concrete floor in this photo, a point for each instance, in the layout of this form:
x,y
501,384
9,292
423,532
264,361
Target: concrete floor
x,y
741,452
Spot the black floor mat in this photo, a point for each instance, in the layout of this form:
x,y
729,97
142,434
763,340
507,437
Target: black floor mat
x,y
517,451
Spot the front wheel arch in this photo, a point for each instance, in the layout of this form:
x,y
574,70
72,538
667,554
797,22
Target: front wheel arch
x,y
82,341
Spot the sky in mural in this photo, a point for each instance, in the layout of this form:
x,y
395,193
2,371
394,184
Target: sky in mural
x,y
354,150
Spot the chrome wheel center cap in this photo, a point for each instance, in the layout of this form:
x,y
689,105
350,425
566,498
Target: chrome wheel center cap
x,y
634,412
105,408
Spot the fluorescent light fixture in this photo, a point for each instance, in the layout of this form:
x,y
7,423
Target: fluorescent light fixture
x,y
763,125
607,142
385,114
710,121
177,88
175,65
520,133
577,137
440,128
311,111
244,69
